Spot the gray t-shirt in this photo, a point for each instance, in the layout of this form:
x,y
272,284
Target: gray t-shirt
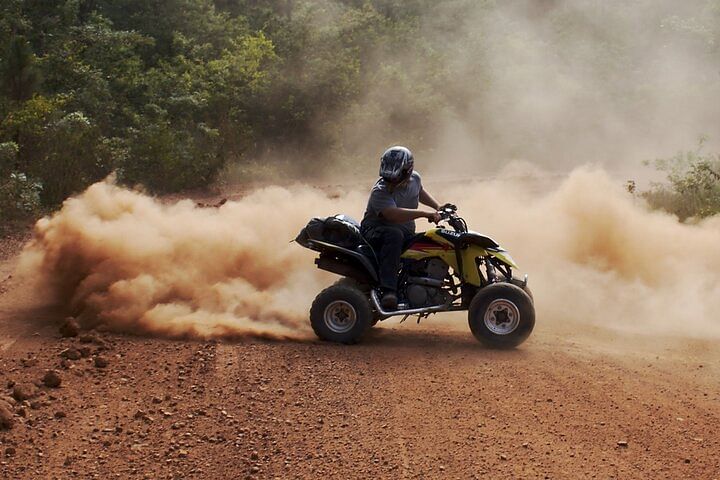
x,y
383,196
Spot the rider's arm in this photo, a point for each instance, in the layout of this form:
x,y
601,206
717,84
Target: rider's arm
x,y
403,215
427,199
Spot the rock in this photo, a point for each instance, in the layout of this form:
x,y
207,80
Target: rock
x,y
70,328
52,379
101,362
71,354
84,352
9,451
140,415
36,405
6,418
622,443
183,453
60,414
503,456
5,403
254,455
65,363
29,362
22,392
87,338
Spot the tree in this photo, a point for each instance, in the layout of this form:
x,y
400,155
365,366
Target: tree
x,y
20,75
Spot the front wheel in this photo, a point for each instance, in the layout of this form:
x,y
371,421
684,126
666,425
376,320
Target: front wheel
x,y
340,314
501,315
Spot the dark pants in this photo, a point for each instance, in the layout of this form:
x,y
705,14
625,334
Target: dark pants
x,y
388,242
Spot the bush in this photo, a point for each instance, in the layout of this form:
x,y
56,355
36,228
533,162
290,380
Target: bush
x,y
693,190
18,195
71,159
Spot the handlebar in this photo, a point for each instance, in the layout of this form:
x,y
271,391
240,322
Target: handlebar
x,y
448,212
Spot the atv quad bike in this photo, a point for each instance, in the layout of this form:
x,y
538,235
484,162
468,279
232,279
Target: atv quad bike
x,y
442,270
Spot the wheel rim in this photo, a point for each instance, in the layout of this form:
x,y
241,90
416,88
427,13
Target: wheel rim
x,y
340,316
502,317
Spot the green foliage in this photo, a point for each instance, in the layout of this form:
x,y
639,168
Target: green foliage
x,y
71,158
20,76
693,188
168,93
8,157
18,195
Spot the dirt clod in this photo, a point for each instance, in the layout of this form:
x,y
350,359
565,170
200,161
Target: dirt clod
x,y
71,354
101,362
52,379
6,418
29,362
22,392
70,328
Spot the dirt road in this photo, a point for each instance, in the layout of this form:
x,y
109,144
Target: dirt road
x,y
412,401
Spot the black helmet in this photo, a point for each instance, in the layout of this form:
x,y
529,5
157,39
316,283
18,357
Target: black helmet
x,y
396,165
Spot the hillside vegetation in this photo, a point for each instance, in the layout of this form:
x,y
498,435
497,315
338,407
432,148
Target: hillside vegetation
x,y
167,93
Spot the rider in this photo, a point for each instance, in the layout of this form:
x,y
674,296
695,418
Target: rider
x,y
389,219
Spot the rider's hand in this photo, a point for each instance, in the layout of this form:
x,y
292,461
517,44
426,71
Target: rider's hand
x,y
433,217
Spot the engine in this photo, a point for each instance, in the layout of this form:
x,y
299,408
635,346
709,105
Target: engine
x,y
424,283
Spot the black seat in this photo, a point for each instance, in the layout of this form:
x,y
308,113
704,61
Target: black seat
x,y
367,251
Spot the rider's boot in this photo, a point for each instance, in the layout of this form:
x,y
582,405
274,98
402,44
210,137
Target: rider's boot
x,y
389,300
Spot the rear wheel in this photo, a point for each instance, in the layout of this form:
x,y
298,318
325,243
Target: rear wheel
x,y
363,287
340,314
501,315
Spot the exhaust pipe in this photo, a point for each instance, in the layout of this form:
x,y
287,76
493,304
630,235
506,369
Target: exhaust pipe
x,y
413,311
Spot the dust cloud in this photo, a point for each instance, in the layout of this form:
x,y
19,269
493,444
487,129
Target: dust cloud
x,y
123,259
595,255
547,81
